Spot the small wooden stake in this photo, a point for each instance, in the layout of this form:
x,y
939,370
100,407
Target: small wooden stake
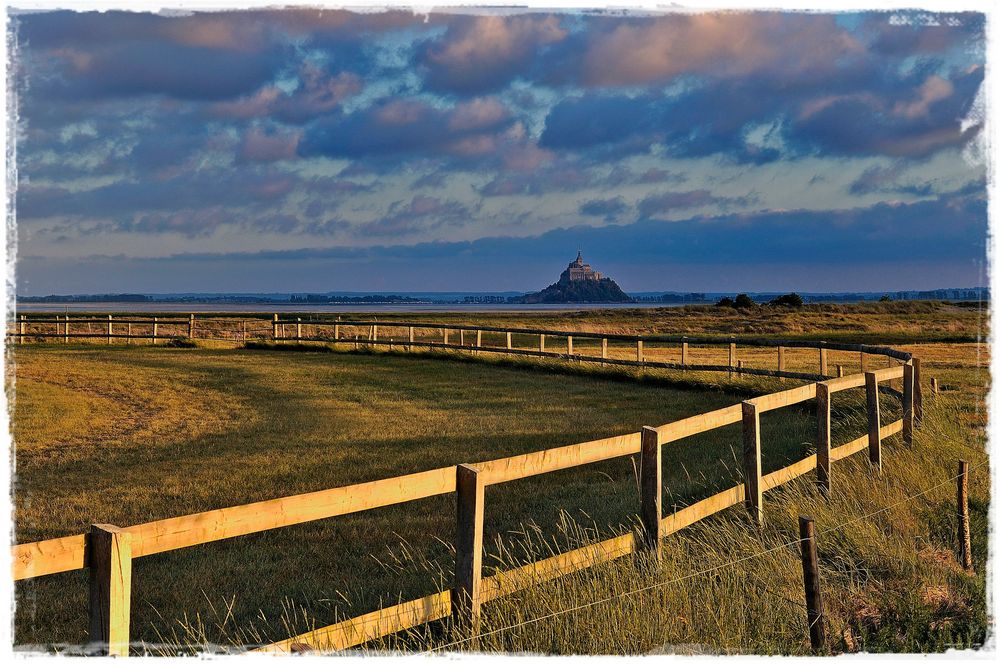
x,y
908,404
651,484
874,421
823,438
751,462
935,388
110,588
964,535
810,579
466,598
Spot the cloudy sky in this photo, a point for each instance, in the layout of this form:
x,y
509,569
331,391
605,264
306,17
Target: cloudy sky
x,y
306,150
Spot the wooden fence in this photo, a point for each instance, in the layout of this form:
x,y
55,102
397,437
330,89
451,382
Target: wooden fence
x,y
107,551
614,349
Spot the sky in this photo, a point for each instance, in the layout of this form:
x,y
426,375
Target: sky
x,y
323,150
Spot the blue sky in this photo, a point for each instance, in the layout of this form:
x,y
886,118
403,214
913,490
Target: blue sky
x,y
307,150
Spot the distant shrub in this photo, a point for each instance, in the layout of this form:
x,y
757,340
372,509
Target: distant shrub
x,y
885,298
787,300
725,302
743,301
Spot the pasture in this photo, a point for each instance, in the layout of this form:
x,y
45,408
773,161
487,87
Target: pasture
x,y
124,435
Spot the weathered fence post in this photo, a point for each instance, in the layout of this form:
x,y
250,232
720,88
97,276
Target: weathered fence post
x,y
604,349
110,556
935,387
243,336
509,345
66,329
918,393
461,337
732,357
444,336
810,579
128,334
781,361
964,536
684,353
908,404
541,343
874,421
864,362
375,332
191,327
638,350
822,360
823,438
274,328
20,337
410,347
569,345
479,340
466,599
154,330
336,331
298,329
109,329
751,462
651,485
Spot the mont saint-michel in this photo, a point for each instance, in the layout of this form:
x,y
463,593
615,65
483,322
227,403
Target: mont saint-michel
x,y
579,282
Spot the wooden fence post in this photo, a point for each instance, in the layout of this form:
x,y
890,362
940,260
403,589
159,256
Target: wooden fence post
x,y
964,536
864,362
109,329
336,331
569,345
154,330
781,361
298,329
191,327
541,343
935,387
110,555
751,462
243,334
66,329
604,349
684,353
823,438
732,357
651,486
375,332
128,334
638,350
810,579
509,346
479,339
908,404
466,598
274,328
410,347
20,337
918,393
461,337
822,360
874,421
444,336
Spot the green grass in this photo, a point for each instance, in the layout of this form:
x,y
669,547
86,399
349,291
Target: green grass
x,y
126,435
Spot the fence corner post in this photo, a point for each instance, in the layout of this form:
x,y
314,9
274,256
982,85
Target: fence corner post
x,y
466,598
810,579
110,555
874,421
823,431
751,462
651,486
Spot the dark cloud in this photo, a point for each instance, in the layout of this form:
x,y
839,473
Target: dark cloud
x,y
664,204
609,208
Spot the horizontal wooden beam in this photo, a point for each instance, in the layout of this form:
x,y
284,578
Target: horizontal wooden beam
x,y
50,556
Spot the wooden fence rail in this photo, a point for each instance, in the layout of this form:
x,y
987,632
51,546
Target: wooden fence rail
x,y
107,551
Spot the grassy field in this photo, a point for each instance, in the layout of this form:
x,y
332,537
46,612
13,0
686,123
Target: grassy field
x,y
130,434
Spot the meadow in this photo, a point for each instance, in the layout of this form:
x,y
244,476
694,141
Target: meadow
x,y
129,434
